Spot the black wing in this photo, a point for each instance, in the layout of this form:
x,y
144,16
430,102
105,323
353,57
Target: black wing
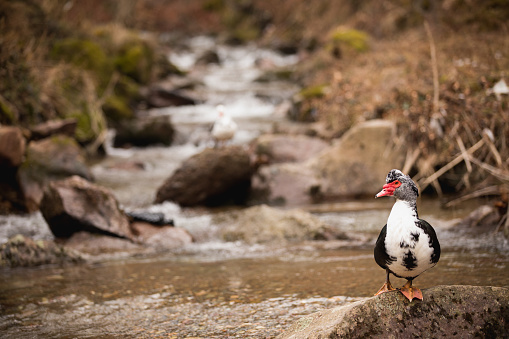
x,y
381,256
433,239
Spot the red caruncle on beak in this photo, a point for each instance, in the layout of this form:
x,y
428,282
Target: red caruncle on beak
x,y
388,189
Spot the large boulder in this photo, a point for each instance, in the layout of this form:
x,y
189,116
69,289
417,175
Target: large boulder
x,y
74,204
49,159
264,224
355,166
20,251
144,131
359,162
212,177
12,146
12,154
291,184
446,311
277,148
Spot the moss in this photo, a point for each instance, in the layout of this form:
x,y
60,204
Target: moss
x,y
355,39
7,116
313,92
81,53
136,60
116,109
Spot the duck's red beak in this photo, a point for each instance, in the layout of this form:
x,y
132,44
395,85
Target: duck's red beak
x,y
387,190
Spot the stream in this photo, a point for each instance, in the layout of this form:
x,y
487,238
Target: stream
x,y
212,288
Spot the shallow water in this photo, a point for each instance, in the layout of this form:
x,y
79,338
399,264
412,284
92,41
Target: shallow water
x,y
214,288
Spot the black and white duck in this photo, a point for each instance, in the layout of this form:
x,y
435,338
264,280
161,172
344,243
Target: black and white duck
x,y
407,246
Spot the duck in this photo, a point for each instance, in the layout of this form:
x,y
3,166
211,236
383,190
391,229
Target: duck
x,y
407,245
224,127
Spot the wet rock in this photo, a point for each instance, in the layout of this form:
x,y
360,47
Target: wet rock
x,y
212,177
48,159
20,251
277,148
446,311
165,237
74,204
66,127
12,146
159,96
154,218
102,246
208,57
264,224
145,131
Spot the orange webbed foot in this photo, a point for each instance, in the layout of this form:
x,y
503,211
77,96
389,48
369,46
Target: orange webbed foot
x,y
387,287
411,292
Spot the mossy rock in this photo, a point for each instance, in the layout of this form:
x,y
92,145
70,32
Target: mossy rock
x,y
117,109
81,53
136,60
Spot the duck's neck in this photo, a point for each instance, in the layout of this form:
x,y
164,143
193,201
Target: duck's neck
x,y
403,214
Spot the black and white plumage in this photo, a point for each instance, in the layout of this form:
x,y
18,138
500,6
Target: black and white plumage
x,y
407,246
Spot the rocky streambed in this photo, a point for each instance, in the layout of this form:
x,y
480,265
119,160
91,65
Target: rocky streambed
x,y
227,272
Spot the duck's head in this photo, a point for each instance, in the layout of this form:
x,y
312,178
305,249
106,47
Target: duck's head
x,y
400,186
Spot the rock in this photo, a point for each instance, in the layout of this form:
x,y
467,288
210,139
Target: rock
x,y
74,204
52,158
100,245
12,153
446,311
208,57
212,177
65,127
158,97
279,148
284,184
355,166
358,163
20,251
12,146
145,131
153,218
165,237
264,224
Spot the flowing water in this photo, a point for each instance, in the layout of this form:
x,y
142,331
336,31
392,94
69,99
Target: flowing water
x,y
214,288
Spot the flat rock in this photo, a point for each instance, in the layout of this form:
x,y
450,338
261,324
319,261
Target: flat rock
x,y
212,177
20,251
74,204
51,127
446,311
264,224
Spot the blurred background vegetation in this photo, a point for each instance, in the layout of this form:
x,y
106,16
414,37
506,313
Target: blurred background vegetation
x,y
429,65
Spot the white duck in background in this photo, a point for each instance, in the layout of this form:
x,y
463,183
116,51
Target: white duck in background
x,y
224,127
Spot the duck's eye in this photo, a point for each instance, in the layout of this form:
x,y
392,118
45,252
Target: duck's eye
x,y
396,183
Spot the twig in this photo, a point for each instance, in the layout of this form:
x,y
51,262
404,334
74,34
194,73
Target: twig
x,y
434,66
500,174
450,165
464,154
410,159
490,190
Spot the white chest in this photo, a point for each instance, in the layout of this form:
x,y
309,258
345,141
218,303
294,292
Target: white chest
x,y
406,242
